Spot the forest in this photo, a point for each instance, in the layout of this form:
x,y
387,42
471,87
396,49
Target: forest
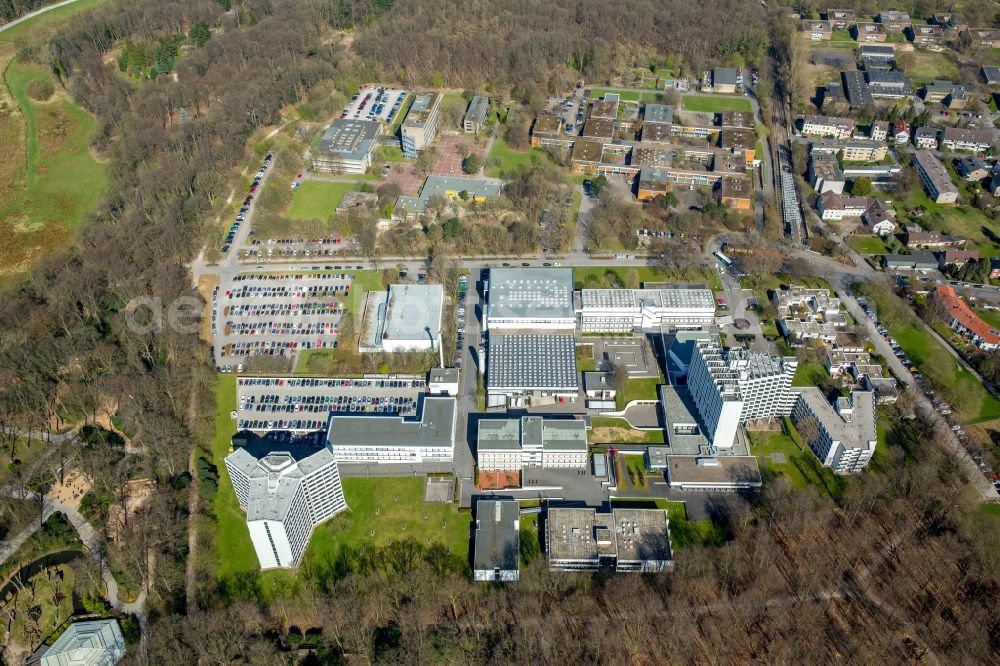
x,y
900,567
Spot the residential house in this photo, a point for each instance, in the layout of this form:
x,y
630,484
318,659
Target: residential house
x,y
878,131
827,126
817,30
994,268
901,131
975,141
972,168
924,35
956,257
880,219
869,32
926,137
841,19
940,90
962,319
725,79
950,22
877,57
888,85
916,236
994,185
837,207
735,192
991,75
987,38
894,21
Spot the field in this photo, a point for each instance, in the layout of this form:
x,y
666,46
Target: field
x,y
800,466
504,160
27,30
867,244
711,104
928,66
596,277
961,220
316,199
49,179
624,95
389,509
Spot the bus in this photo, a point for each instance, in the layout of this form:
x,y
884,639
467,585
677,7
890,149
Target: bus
x,y
723,259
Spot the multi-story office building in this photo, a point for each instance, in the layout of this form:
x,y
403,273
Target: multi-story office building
x,y
628,310
420,127
285,495
586,539
531,441
346,147
733,386
396,439
842,435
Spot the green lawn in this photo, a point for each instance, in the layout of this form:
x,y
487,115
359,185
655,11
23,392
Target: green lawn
x,y
991,317
968,399
713,104
234,551
316,199
928,65
504,160
867,244
841,36
596,277
683,532
809,373
391,154
801,466
389,509
635,467
624,95
23,31
772,281
638,389
62,181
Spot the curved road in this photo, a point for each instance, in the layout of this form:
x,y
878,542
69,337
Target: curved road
x,y
37,12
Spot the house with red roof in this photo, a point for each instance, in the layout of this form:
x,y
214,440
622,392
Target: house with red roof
x,y
960,317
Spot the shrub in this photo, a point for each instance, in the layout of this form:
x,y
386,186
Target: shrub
x,y
41,90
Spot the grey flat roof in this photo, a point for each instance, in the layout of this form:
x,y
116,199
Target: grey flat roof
x,y
532,362
584,534
659,113
478,107
859,432
596,381
349,139
724,75
552,434
707,469
531,293
498,542
421,109
435,428
679,411
444,375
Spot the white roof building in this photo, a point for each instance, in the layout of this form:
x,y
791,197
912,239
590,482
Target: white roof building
x,y
395,439
87,643
285,495
530,298
627,310
406,317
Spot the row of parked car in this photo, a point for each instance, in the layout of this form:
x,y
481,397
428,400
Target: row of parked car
x,y
463,292
308,382
272,277
241,216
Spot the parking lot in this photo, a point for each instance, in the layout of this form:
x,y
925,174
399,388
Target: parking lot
x,y
375,103
271,314
290,248
299,404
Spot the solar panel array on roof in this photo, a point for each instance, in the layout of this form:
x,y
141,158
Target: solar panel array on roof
x,y
532,362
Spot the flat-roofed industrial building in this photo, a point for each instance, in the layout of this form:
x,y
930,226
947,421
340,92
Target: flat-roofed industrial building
x,y
629,310
531,441
496,550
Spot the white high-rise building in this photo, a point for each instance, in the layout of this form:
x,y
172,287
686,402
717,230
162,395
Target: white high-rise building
x,y
285,498
733,386
842,434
